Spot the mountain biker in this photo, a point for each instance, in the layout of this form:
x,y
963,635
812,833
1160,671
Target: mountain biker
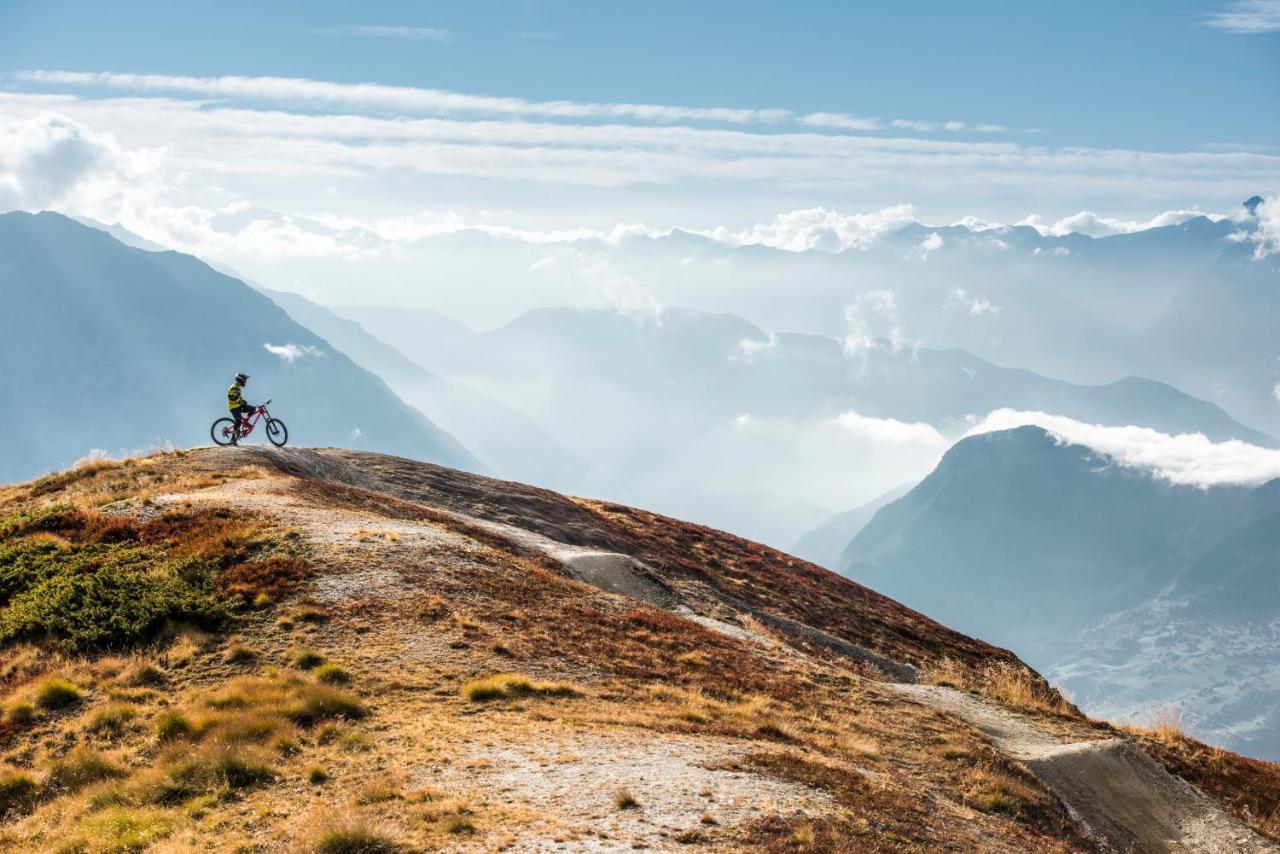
x,y
240,408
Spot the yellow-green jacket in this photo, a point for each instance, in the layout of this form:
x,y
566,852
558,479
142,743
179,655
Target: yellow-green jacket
x,y
234,400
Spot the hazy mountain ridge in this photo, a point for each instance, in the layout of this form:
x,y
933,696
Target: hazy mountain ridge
x,y
118,348
1134,593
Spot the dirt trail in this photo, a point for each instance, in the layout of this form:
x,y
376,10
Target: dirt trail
x,y
1117,792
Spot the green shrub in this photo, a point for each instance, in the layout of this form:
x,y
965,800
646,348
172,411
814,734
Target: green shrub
x,y
59,517
18,793
100,597
316,775
54,694
332,674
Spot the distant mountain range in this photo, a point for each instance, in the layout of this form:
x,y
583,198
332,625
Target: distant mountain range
x,y
117,348
511,443
1133,592
657,406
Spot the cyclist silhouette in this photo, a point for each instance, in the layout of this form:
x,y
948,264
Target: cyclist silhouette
x,y
239,407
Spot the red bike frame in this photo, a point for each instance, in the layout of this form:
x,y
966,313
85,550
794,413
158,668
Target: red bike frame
x,y
246,426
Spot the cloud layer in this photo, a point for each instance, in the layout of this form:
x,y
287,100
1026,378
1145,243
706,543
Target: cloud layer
x,y
1189,459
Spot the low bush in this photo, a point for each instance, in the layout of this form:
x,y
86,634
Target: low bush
x,y
101,596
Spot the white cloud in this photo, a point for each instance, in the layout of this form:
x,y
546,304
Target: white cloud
x,y
1189,459
891,431
820,228
1266,232
843,121
1275,391
434,34
294,352
617,291
1055,252
975,305
750,348
871,319
813,458
382,97
1094,225
50,160
932,243
1248,17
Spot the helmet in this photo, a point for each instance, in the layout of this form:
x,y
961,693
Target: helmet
x,y
242,378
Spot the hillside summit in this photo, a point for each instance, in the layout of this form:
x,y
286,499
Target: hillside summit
x,y
325,650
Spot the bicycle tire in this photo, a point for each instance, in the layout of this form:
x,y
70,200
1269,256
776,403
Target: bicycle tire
x,y
220,431
277,433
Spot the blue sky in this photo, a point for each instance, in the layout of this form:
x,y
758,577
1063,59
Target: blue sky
x,y
1148,75
251,130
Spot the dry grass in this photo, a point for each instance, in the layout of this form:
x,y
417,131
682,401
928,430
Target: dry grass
x,y
503,686
1011,684
992,790
55,694
352,833
82,767
624,800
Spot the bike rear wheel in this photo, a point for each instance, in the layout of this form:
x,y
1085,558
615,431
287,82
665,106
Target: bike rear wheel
x,y
277,433
222,431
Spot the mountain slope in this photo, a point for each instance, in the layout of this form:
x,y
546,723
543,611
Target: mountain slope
x,y
824,544
508,667
425,336
114,347
510,442
1133,593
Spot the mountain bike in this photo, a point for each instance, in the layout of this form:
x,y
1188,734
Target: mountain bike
x,y
224,430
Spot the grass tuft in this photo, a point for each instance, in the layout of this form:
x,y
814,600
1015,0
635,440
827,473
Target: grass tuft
x,y
353,835
173,725
305,658
332,674
18,793
55,694
80,768
624,800
511,685
21,714
113,720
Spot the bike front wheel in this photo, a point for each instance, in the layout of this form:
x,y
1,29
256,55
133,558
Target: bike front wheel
x,y
223,431
277,433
